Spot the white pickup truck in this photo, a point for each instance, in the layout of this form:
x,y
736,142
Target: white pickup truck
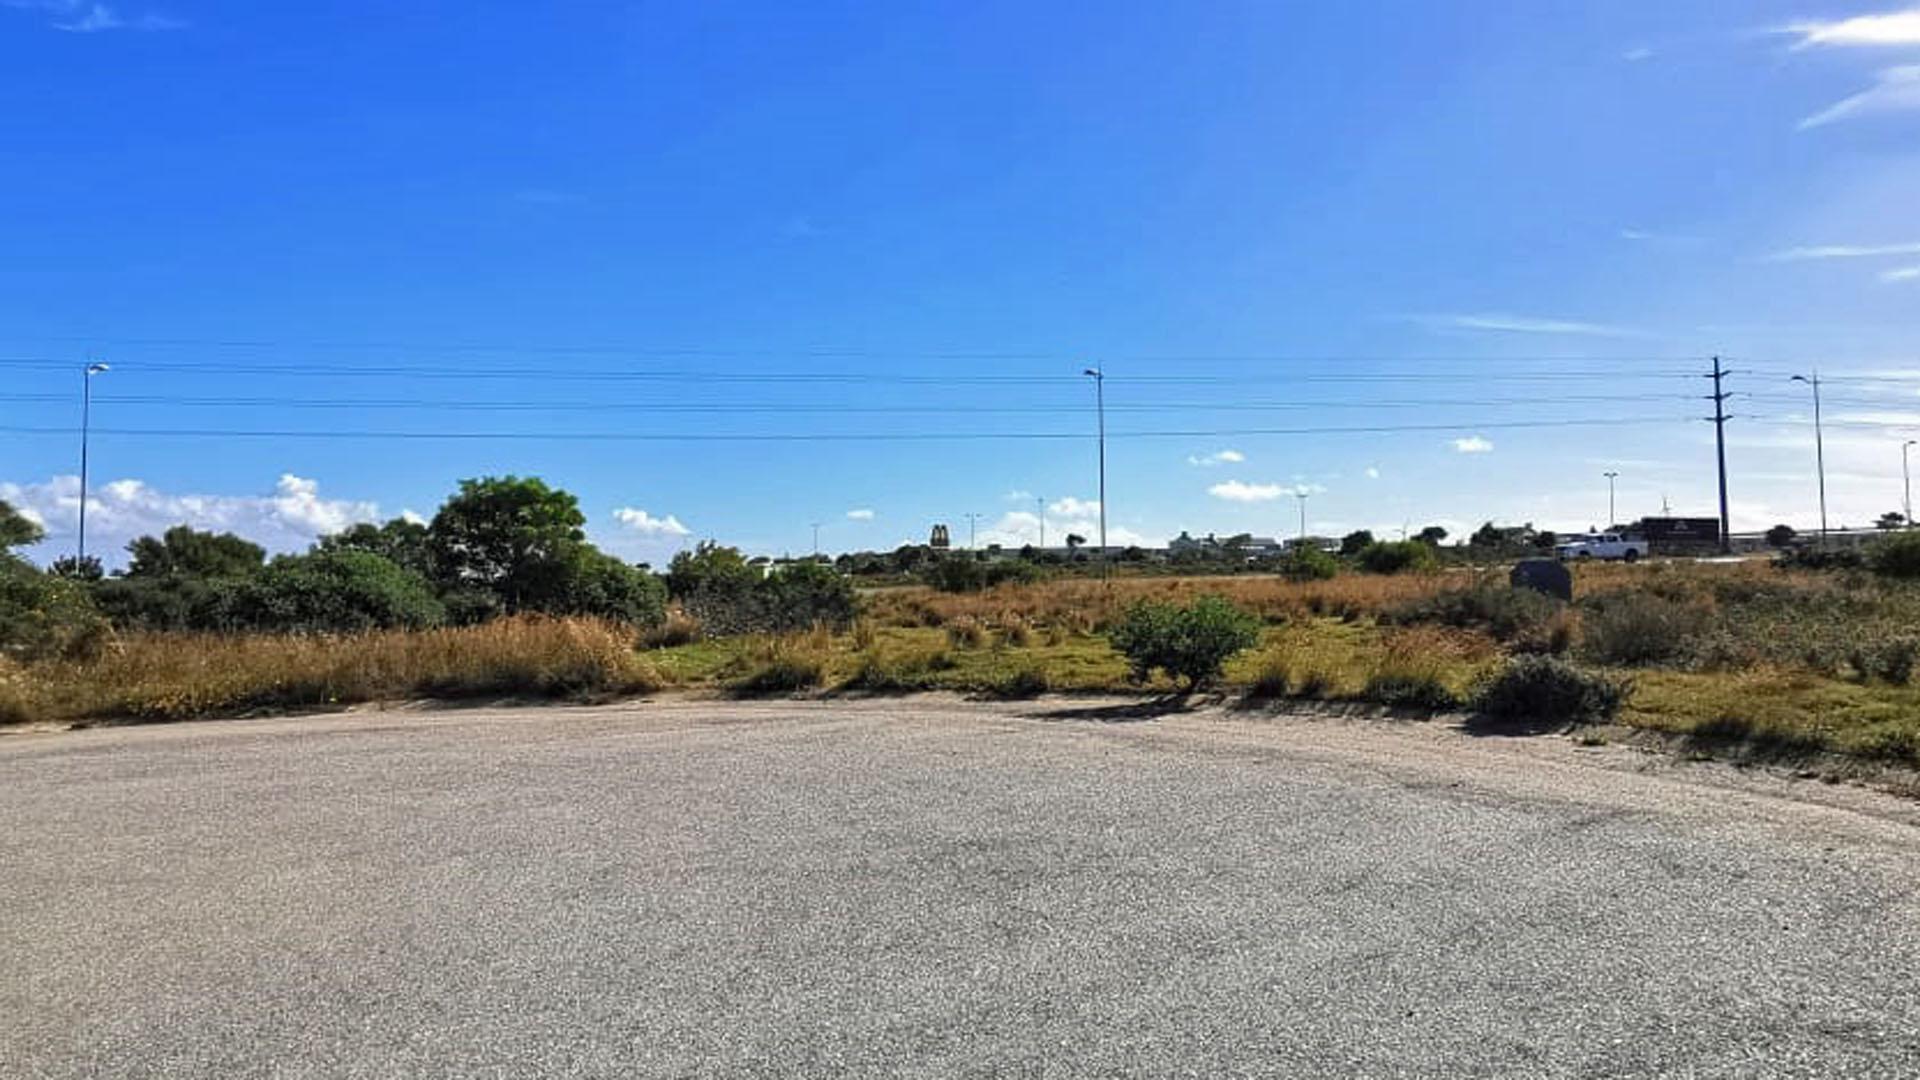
x,y
1603,546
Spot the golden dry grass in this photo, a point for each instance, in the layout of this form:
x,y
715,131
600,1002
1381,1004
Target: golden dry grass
x,y
174,676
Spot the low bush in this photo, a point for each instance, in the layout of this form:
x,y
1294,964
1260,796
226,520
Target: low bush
x,y
1308,563
1897,556
1817,558
966,632
1509,614
1889,660
1191,643
886,670
1637,629
1546,689
1397,556
1410,689
677,629
962,573
783,665
1022,682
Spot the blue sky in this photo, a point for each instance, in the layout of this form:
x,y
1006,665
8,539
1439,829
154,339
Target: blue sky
x,y
646,220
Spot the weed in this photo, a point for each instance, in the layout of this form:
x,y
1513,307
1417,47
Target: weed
x,y
1545,689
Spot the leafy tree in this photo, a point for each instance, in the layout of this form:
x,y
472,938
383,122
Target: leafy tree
x,y
399,540
183,551
1780,536
516,538
1892,519
42,616
334,591
711,568
77,568
800,595
17,529
1304,562
606,587
1897,556
1355,542
967,575
1190,643
1397,556
1074,540
1432,535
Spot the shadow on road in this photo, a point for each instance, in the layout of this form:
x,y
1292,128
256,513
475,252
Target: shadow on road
x,y
1124,713
1486,725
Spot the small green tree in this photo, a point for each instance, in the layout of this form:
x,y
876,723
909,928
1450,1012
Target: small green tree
x,y
1355,542
1191,643
1397,556
17,529
399,540
1780,536
516,538
183,551
1897,556
335,591
1304,562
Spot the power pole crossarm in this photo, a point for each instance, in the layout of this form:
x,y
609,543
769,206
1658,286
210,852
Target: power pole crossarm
x,y
1720,448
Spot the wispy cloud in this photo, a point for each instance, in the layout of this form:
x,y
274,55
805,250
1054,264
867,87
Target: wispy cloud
x,y
1897,90
1473,444
83,17
1373,472
1844,251
1889,28
646,524
862,514
1637,54
1243,492
1504,323
1220,457
1902,273
1072,507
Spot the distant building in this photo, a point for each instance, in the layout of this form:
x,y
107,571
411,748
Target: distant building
x,y
938,540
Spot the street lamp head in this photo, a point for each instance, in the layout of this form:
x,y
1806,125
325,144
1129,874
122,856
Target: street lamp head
x,y
1801,378
1093,371
95,369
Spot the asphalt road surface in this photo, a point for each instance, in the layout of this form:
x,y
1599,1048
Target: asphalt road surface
x,y
934,888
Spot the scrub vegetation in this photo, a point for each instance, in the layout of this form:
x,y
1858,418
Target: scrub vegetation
x,y
501,595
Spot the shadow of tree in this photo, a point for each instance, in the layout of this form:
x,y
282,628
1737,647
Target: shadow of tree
x,y
1123,713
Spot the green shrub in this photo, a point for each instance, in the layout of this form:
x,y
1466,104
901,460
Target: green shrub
x,y
1397,556
962,573
1022,682
1410,689
336,591
1505,612
1308,563
1639,628
1545,689
1817,558
43,616
1897,556
1889,660
1191,643
784,667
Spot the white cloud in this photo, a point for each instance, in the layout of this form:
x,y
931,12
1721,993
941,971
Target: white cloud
x,y
1373,472
1897,90
413,517
1021,527
639,521
1501,323
1889,28
1637,54
1473,444
1221,457
288,519
86,17
862,514
1902,273
1072,507
1018,495
1240,491
1844,251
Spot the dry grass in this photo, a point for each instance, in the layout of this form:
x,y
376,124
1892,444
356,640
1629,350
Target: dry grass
x,y
1083,606
172,676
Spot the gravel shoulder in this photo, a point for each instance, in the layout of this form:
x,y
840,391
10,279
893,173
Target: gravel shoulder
x,y
933,887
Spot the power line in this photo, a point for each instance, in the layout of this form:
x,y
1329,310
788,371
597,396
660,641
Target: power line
x,y
789,408
916,436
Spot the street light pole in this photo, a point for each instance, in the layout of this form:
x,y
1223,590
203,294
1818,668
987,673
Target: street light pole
x,y
1819,447
1040,506
86,420
973,523
816,540
1302,496
1906,480
1100,405
1613,518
